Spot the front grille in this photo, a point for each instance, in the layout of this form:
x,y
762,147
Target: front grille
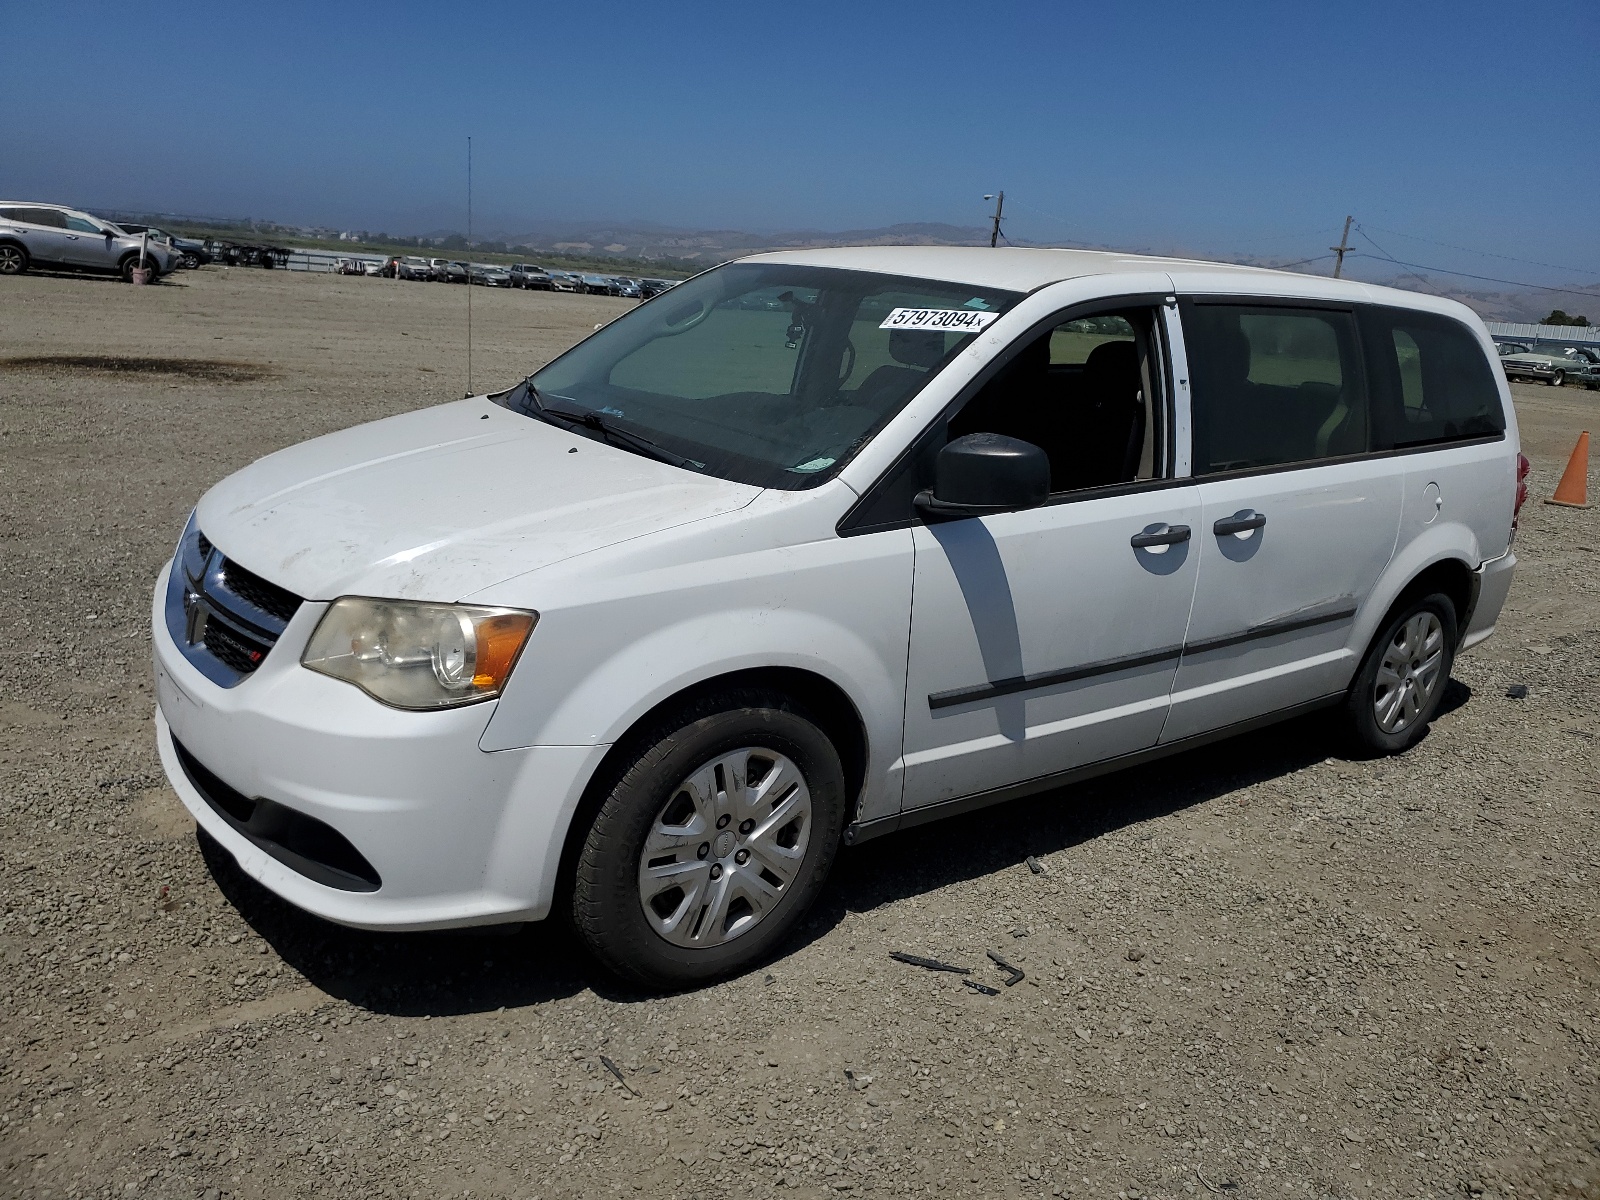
x,y
225,618
268,597
235,649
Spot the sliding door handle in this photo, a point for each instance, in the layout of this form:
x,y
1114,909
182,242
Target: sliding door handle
x,y
1162,535
1240,522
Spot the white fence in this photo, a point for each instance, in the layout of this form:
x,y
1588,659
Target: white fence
x,y
1567,334
328,260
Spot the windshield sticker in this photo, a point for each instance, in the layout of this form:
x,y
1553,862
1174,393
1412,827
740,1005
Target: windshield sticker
x,y
978,302
956,320
816,464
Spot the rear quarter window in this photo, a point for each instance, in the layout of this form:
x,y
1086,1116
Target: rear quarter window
x,y
1432,382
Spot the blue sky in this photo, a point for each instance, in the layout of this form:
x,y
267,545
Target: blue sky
x,y
1203,127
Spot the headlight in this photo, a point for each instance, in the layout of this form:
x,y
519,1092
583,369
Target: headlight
x,y
413,655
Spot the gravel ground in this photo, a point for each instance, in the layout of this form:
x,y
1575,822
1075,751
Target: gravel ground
x,y
1258,969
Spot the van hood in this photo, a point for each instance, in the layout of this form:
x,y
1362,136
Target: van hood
x,y
441,503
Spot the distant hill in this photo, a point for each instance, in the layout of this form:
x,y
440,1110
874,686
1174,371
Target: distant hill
x,y
707,246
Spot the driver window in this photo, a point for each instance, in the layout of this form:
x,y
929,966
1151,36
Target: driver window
x,y
1084,393
79,225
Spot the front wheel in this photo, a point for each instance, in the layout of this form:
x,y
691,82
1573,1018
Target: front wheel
x,y
191,262
13,259
1402,679
1558,378
712,844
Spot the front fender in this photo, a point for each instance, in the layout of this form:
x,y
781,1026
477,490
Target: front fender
x,y
620,689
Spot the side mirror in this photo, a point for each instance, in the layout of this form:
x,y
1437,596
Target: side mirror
x,y
986,473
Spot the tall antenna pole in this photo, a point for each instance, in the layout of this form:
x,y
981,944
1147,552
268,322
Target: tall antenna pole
x,y
469,265
999,206
1342,248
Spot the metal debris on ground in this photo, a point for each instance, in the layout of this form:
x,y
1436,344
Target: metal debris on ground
x,y
984,988
1017,973
927,964
612,1067
1035,865
1517,691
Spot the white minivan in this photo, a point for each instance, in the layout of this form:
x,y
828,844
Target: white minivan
x,y
814,547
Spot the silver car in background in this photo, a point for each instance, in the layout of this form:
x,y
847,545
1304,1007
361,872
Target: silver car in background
x,y
59,238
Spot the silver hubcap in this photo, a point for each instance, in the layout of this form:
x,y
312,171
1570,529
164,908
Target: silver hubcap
x,y
725,848
10,260
1409,673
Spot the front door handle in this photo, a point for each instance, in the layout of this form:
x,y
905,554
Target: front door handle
x,y
1167,535
1240,522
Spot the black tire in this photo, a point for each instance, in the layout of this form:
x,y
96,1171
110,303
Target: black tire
x,y
191,262
129,264
607,901
1368,691
13,259
1558,378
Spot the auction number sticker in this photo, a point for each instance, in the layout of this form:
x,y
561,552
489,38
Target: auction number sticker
x,y
956,320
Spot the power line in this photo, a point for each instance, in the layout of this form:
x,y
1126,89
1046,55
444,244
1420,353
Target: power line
x,y
1467,275
1532,262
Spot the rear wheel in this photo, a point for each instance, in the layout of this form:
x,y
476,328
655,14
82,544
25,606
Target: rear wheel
x,y
714,841
13,259
1402,679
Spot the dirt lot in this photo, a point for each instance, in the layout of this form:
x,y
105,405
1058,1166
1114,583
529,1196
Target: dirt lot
x,y
1255,970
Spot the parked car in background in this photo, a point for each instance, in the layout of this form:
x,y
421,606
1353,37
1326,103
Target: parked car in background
x,y
489,275
455,272
1553,366
412,267
349,266
565,281
598,285
60,238
1505,348
192,251
387,268
440,267
627,288
653,287
526,275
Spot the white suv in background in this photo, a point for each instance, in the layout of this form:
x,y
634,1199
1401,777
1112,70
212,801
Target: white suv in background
x,y
48,235
814,547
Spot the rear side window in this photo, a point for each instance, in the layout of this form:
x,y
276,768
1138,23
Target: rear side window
x,y
1432,382
43,216
1273,386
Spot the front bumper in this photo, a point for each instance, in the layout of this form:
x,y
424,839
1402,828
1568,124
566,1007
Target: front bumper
x,y
455,835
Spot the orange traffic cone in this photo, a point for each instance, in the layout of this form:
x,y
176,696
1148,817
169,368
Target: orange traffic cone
x,y
1573,490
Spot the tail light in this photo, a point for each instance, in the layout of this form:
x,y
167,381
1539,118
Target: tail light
x,y
1524,468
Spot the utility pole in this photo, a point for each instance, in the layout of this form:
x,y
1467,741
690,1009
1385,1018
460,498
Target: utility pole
x,y
469,265
1342,248
999,205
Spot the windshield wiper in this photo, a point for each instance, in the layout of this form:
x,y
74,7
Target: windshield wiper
x,y
591,419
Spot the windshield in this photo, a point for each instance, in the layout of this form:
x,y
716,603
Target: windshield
x,y
770,374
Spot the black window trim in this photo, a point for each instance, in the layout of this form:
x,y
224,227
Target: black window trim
x,y
1156,302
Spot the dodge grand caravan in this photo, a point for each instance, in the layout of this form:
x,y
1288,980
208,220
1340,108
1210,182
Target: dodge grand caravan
x,y
814,547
